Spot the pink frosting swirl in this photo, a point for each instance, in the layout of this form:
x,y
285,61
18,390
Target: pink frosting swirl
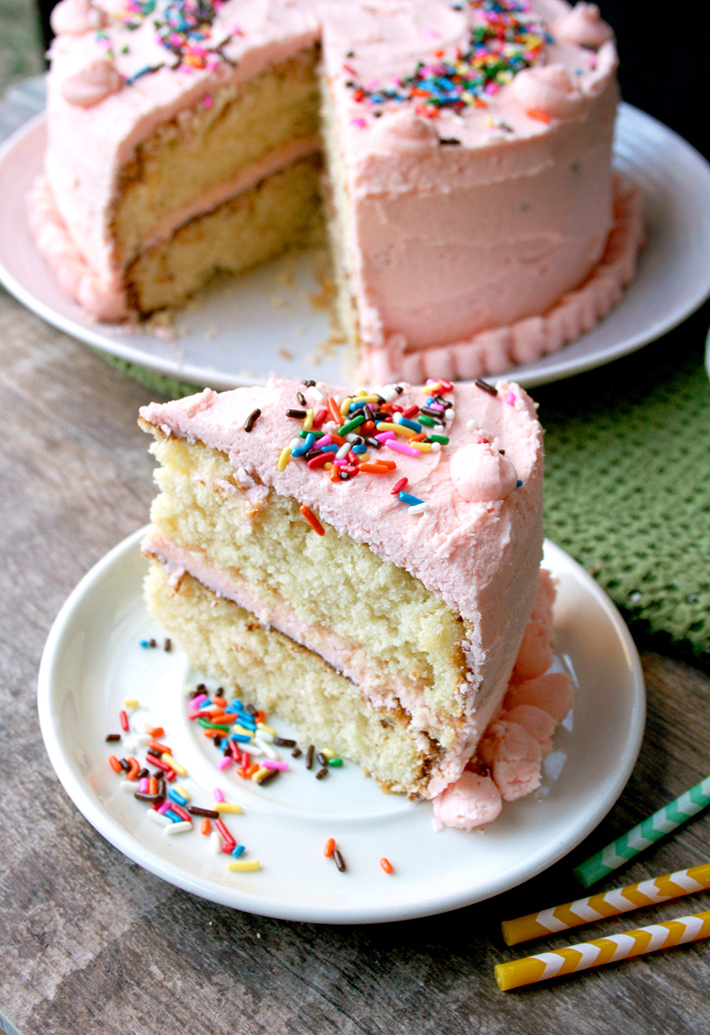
x,y
405,131
583,26
551,90
471,802
75,17
92,85
514,758
481,473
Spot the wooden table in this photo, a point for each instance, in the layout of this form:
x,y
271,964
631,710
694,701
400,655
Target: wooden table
x,y
92,943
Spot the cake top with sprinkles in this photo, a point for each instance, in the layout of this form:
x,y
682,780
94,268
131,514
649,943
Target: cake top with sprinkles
x,y
502,38
436,478
455,64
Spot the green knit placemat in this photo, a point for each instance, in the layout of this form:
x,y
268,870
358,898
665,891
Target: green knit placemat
x,y
627,489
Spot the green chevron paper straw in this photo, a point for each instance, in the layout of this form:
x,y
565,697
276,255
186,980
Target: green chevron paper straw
x,y
668,818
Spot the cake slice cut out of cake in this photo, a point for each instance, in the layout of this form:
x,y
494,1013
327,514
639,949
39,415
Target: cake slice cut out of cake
x,y
362,564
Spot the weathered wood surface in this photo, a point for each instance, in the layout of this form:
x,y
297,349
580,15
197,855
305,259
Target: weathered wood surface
x,y
90,943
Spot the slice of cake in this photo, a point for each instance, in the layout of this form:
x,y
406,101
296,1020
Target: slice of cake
x,y
362,564
474,220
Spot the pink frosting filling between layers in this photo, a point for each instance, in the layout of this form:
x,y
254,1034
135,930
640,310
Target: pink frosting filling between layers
x,y
481,557
333,649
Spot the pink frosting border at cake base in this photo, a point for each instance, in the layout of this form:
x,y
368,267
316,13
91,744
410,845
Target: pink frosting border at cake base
x,y
103,299
502,348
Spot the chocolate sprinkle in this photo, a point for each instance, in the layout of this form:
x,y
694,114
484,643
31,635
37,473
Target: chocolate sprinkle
x,y
112,736
298,414
339,861
309,756
252,419
322,772
197,810
450,141
491,389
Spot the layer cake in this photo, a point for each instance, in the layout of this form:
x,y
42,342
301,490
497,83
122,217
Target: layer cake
x,y
474,220
363,565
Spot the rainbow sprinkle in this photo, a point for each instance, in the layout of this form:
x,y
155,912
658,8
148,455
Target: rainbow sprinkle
x,y
347,439
170,807
504,39
182,27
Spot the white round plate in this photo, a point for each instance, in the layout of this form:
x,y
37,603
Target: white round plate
x,y
93,660
242,331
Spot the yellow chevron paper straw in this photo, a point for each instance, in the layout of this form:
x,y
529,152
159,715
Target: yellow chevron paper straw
x,y
546,965
608,903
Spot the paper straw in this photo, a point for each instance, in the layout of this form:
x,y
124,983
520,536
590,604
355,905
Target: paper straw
x,y
608,903
668,818
546,965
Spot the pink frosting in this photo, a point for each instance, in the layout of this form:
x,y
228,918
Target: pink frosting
x,y
482,473
96,295
514,757
456,250
481,557
550,89
535,654
517,740
538,723
92,84
583,26
473,801
74,17
405,132
527,340
553,692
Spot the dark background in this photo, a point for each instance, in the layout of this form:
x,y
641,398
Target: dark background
x,y
663,64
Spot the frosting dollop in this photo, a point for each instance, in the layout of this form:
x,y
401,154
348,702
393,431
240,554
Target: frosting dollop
x,y
514,758
482,474
92,84
405,131
552,692
472,801
550,90
75,17
583,26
